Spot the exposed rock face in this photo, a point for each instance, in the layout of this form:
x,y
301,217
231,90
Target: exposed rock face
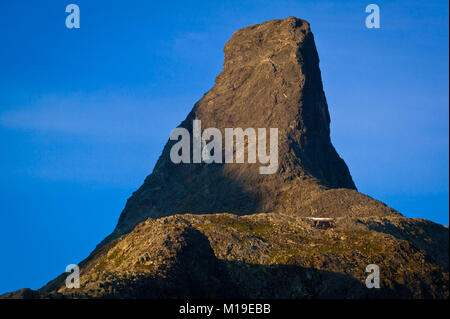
x,y
270,78
224,230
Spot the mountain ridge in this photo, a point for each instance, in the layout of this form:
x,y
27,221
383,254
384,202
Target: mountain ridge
x,y
224,230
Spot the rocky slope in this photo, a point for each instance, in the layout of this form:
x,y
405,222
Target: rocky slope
x,y
266,255
224,230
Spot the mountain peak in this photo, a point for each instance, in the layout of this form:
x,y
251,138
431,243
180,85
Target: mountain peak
x,y
196,229
270,79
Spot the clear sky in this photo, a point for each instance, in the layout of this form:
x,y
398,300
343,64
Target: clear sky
x,y
84,113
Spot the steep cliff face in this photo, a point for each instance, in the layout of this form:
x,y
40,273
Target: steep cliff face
x,y
270,79
225,230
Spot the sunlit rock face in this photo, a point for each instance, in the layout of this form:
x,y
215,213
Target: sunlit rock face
x,y
197,230
270,79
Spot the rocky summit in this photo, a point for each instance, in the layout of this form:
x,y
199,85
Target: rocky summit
x,y
219,230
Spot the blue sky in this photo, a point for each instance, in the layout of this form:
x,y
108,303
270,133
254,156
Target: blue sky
x,y
84,113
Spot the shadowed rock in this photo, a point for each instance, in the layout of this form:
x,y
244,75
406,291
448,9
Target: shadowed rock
x,y
263,256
